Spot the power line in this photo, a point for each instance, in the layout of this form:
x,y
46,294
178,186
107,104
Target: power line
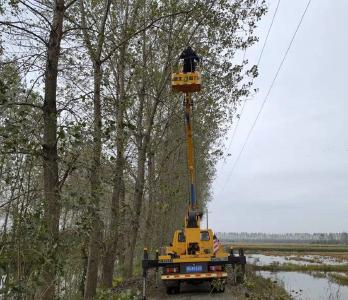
x,y
235,129
268,32
268,93
258,63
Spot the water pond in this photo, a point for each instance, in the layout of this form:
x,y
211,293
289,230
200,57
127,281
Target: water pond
x,y
303,286
263,260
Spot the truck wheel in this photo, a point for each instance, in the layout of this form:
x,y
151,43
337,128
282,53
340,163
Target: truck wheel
x,y
169,290
173,289
176,290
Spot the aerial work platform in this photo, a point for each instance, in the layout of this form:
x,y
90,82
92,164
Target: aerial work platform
x,y
189,82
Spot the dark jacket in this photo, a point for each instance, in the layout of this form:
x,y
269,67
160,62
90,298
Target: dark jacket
x,y
190,57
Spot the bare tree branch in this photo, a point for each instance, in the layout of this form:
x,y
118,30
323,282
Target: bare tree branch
x,y
35,11
70,4
17,197
12,24
68,171
86,36
22,104
101,37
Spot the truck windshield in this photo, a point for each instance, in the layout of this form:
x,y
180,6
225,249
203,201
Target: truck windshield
x,y
204,236
181,237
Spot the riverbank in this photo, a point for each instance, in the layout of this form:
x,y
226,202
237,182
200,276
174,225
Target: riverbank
x,y
261,288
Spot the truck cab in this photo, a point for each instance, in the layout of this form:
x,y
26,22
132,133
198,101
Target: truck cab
x,y
191,241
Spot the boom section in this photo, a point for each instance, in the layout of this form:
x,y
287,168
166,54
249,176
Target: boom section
x,y
188,105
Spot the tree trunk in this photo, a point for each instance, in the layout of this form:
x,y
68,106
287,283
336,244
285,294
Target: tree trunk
x,y
111,241
148,240
94,245
50,156
138,200
142,142
139,181
123,224
95,239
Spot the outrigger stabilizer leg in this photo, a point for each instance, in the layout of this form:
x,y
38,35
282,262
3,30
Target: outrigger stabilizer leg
x,y
147,264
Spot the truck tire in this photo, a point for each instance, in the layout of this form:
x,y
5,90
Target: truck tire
x,y
173,288
176,289
169,290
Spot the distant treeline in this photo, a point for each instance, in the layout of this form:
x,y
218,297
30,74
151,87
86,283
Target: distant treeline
x,y
326,238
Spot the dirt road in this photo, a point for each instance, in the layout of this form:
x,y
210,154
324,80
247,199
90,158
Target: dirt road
x,y
191,292
254,287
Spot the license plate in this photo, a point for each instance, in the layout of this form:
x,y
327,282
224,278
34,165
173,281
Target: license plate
x,y
194,269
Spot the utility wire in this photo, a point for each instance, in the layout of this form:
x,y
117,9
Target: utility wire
x,y
267,95
268,32
258,63
236,127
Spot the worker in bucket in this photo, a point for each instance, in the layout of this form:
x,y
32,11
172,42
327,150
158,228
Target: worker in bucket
x,y
190,57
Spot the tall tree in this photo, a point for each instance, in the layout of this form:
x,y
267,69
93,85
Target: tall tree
x,y
111,239
49,147
95,54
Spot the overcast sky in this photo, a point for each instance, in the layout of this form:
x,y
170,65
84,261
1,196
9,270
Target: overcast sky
x,y
293,174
